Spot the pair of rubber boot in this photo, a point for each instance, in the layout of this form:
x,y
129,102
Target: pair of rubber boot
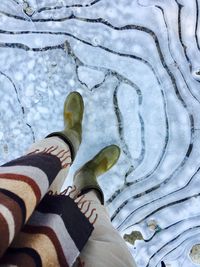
x,y
85,179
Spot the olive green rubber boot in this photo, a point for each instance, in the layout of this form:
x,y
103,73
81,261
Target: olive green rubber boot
x,y
72,115
85,179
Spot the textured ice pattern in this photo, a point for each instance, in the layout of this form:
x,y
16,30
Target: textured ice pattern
x,y
137,65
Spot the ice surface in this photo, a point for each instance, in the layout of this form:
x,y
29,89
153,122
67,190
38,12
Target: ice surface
x,y
137,65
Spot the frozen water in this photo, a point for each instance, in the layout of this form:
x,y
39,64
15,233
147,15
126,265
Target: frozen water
x,y
137,65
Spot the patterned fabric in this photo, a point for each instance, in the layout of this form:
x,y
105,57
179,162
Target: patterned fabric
x,y
38,226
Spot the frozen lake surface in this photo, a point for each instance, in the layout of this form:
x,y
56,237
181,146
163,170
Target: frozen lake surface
x,y
137,65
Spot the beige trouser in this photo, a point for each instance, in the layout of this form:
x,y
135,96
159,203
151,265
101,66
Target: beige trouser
x,y
105,247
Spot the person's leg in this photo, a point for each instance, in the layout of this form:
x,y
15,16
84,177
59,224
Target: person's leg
x,y
105,246
25,180
57,230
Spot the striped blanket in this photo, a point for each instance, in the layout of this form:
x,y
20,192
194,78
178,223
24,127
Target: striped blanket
x,y
38,226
